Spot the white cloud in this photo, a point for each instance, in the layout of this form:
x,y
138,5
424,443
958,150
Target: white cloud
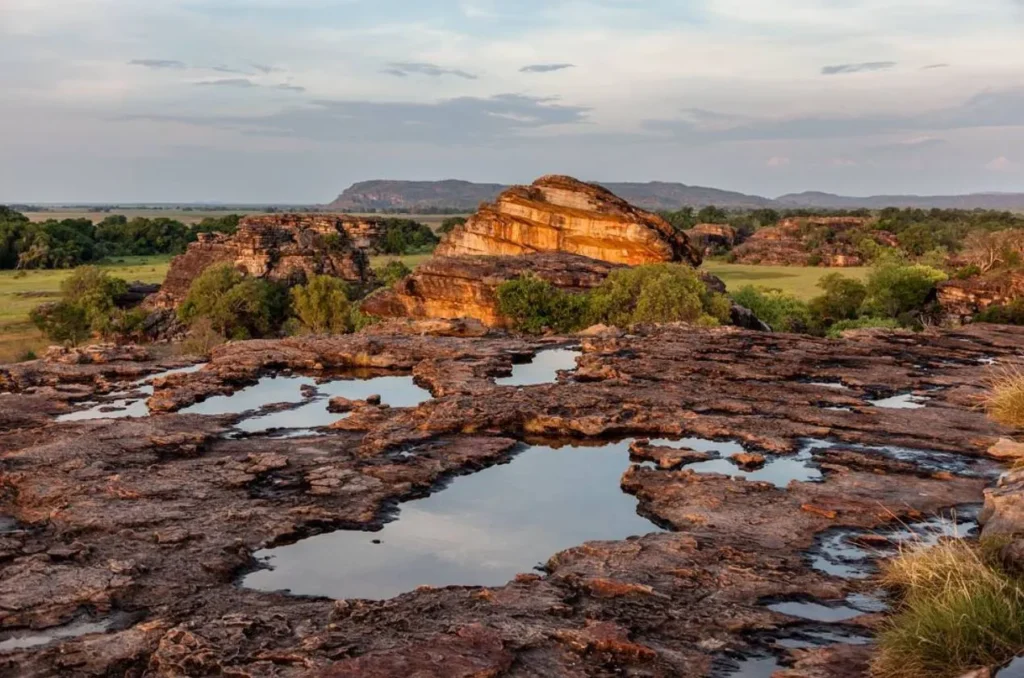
x,y
1002,164
777,161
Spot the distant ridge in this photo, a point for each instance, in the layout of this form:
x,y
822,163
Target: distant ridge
x,y
466,196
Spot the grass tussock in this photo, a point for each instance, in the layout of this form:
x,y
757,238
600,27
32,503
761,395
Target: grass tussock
x,y
958,611
1005,401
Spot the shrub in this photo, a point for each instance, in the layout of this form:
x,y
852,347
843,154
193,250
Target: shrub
x,y
958,612
837,329
359,321
896,289
237,306
534,305
202,338
322,305
1009,314
783,312
841,300
656,293
405,236
87,307
27,356
1005,400
392,272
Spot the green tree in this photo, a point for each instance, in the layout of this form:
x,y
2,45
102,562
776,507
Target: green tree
x,y
783,312
449,224
842,299
88,307
712,215
392,272
896,289
237,306
656,293
535,305
322,305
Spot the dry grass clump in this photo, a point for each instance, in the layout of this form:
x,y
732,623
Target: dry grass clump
x,y
1005,401
958,611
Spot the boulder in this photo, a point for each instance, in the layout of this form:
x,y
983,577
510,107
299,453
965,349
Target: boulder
x,y
562,214
794,242
466,286
284,248
712,238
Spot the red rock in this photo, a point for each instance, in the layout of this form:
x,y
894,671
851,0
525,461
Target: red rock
x,y
963,299
788,243
748,460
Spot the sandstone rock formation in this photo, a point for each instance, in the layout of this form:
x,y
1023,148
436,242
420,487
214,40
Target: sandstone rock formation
x,y
562,214
712,238
793,243
466,286
285,248
961,300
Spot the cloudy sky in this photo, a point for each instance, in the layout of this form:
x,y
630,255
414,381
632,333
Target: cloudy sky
x,y
292,100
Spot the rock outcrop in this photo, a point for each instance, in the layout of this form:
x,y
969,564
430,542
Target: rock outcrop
x,y
285,248
562,214
798,242
466,286
961,300
712,239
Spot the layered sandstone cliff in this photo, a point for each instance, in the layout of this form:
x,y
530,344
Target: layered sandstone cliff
x,y
283,248
562,214
466,286
712,239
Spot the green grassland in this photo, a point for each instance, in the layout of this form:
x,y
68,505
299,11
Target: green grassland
x,y
189,217
20,292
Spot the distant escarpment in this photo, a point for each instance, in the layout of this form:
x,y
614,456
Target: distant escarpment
x,y
562,214
285,248
467,286
814,241
464,196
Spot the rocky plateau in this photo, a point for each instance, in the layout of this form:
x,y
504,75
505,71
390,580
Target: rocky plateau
x,y
123,540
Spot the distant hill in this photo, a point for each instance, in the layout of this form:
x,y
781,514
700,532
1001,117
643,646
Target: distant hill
x,y
984,201
466,196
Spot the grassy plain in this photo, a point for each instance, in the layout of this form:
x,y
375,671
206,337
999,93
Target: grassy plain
x,y
19,293
800,281
189,217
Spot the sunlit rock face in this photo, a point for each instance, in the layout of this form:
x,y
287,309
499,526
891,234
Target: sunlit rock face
x,y
467,286
963,299
286,248
562,214
792,243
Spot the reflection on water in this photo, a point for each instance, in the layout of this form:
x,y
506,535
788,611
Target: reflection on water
x,y
907,401
20,640
394,391
481,531
1014,669
543,369
133,405
779,471
755,667
7,525
816,611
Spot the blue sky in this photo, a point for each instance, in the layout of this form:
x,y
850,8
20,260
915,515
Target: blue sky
x,y
292,100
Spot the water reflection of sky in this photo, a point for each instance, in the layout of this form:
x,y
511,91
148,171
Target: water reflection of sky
x,y
127,408
543,369
482,530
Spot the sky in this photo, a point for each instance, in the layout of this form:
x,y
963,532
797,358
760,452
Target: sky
x,y
290,101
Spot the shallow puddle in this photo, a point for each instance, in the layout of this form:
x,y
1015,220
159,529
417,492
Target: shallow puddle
x,y
1014,669
838,385
907,401
394,391
481,531
816,611
754,667
543,369
808,639
779,471
7,525
20,640
125,407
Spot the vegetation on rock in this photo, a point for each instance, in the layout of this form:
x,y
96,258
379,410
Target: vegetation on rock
x,y
322,305
1005,401
87,308
406,236
237,306
391,272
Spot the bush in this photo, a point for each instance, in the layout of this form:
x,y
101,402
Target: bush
x,y
405,236
896,289
959,611
534,305
237,306
1005,401
657,293
1010,314
391,272
841,300
781,311
837,329
322,305
87,307
202,338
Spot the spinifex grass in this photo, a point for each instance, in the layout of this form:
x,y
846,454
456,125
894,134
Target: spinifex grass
x,y
1005,401
958,611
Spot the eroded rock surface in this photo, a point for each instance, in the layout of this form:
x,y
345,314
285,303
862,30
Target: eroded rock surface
x,y
791,243
158,517
562,214
287,248
961,300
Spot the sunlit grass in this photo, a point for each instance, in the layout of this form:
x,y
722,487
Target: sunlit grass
x,y
1005,400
